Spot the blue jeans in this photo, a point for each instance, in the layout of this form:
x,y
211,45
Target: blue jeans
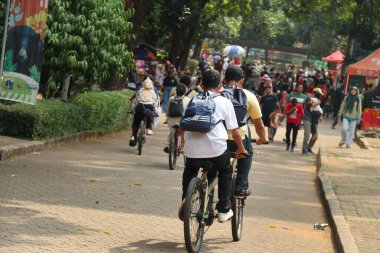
x,y
165,99
243,164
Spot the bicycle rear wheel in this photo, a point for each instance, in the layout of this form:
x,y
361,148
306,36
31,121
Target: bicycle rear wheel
x,y
140,137
193,216
173,150
237,206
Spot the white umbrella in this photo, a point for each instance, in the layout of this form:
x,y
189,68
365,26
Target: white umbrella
x,y
233,50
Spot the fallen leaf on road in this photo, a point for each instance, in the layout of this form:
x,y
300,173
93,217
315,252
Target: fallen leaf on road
x,y
136,185
284,227
122,193
273,226
97,202
92,181
107,233
63,178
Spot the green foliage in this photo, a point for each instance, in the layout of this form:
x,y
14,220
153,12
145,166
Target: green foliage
x,y
99,111
192,65
8,61
104,111
88,39
34,73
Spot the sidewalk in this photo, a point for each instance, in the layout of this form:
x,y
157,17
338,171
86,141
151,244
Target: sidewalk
x,y
355,176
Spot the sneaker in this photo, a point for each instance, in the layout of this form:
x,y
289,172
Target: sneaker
x,y
149,132
181,211
132,141
166,150
292,149
348,146
287,147
222,217
306,153
310,151
340,144
242,193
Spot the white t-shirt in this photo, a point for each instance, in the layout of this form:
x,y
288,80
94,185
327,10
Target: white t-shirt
x,y
213,143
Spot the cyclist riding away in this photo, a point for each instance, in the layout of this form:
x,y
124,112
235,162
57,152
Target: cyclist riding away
x,y
144,107
234,78
176,106
211,146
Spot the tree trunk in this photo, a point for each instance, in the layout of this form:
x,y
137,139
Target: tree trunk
x,y
65,88
142,8
197,50
175,45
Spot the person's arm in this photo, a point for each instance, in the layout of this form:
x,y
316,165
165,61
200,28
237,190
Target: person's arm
x,y
260,131
240,152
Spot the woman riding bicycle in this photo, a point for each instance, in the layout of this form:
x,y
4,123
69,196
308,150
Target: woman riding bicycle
x,y
144,107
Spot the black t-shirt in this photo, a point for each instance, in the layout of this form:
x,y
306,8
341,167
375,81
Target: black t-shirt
x,y
269,104
170,82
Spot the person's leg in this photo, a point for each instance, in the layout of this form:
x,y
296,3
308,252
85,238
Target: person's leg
x,y
287,134
166,98
190,171
243,165
344,132
274,131
335,116
222,164
137,118
306,135
351,133
295,128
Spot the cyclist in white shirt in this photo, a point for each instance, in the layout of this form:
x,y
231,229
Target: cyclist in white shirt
x,y
212,147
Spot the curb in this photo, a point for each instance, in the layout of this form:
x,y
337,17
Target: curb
x,y
344,241
9,151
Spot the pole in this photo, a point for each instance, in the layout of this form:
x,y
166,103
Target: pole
x,y
346,88
4,39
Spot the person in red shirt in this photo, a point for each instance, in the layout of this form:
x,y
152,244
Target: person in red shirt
x,y
294,113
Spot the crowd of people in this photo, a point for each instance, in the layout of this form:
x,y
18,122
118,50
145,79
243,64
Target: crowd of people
x,y
298,98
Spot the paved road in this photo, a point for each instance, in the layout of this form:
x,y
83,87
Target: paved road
x,y
99,196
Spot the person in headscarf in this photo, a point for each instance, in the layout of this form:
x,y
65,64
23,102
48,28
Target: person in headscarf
x,y
145,103
351,112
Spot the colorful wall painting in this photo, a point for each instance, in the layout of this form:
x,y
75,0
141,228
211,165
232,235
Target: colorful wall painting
x,y
24,50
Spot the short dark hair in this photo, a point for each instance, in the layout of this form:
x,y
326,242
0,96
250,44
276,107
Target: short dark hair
x,y
185,79
234,73
294,100
181,89
211,79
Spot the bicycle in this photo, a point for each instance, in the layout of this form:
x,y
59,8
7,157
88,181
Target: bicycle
x,y
141,133
198,212
176,145
237,205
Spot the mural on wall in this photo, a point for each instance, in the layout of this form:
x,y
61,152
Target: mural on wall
x,y
24,48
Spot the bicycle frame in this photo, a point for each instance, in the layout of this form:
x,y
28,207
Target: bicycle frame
x,y
207,190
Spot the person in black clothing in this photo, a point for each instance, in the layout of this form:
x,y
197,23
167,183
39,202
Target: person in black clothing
x,y
337,96
268,103
170,81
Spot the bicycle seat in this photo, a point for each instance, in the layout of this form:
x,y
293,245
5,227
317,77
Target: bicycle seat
x,y
205,165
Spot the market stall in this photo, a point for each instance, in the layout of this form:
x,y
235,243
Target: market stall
x,y
335,63
370,68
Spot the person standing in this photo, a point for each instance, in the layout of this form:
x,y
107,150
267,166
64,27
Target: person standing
x,y
170,81
351,111
268,103
294,112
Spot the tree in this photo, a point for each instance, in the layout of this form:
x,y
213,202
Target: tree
x,y
86,40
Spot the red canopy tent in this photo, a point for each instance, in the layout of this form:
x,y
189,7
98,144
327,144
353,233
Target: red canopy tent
x,y
369,66
337,56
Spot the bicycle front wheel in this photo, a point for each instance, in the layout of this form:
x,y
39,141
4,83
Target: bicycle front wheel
x,y
237,206
193,216
173,151
140,137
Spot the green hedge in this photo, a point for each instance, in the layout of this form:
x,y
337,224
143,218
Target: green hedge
x,y
99,111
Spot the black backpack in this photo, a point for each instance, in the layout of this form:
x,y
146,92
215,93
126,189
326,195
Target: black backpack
x,y
176,107
239,101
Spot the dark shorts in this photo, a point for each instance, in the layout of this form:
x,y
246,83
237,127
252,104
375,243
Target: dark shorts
x,y
266,121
